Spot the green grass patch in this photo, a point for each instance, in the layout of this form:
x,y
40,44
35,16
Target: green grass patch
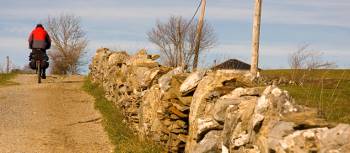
x,y
6,77
119,133
307,74
326,90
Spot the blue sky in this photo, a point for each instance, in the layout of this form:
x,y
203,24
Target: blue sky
x,y
123,24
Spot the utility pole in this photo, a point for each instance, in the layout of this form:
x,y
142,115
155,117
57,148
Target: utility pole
x,y
256,38
180,45
7,64
199,34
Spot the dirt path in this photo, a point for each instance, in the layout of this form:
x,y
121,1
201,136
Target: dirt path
x,y
53,117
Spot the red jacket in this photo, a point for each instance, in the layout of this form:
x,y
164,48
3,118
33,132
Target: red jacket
x,y
39,39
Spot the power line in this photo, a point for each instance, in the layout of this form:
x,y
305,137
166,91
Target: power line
x,y
199,34
194,15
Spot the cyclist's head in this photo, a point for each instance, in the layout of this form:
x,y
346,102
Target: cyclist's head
x,y
39,25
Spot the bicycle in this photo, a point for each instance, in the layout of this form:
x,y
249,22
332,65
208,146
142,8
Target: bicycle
x,y
38,56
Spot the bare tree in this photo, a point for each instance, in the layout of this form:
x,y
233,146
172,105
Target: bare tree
x,y
308,59
69,42
176,40
298,59
305,59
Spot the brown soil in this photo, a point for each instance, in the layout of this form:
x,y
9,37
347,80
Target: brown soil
x,y
53,117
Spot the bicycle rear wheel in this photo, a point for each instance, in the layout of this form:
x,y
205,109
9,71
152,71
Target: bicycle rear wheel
x,y
38,70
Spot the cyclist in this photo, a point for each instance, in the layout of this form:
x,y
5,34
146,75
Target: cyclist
x,y
39,41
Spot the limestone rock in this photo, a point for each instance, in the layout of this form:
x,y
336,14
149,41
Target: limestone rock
x,y
278,132
141,59
208,91
155,57
303,141
230,123
180,107
238,130
210,111
191,82
336,139
239,92
210,143
262,105
101,54
257,120
117,58
240,140
205,125
220,108
150,106
164,81
177,112
149,76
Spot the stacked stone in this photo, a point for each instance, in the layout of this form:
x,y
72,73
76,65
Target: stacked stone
x,y
135,83
125,79
148,94
253,119
96,67
210,111
165,111
175,116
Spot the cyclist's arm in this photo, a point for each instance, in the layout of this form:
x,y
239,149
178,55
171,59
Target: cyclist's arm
x,y
30,41
48,40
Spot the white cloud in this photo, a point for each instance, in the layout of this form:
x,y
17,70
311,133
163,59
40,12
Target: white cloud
x,y
114,12
333,13
13,44
318,3
18,29
323,18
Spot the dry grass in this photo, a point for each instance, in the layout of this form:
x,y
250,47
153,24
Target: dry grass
x,y
326,90
5,77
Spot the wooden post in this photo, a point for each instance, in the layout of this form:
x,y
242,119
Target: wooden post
x,y
180,47
7,64
199,35
256,38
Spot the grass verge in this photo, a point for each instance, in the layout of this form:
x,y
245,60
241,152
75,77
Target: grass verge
x,y
5,77
120,135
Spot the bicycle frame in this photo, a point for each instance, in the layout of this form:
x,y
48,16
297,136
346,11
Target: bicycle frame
x,y
38,57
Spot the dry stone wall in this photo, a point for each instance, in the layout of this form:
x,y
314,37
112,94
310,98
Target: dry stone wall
x,y
210,111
